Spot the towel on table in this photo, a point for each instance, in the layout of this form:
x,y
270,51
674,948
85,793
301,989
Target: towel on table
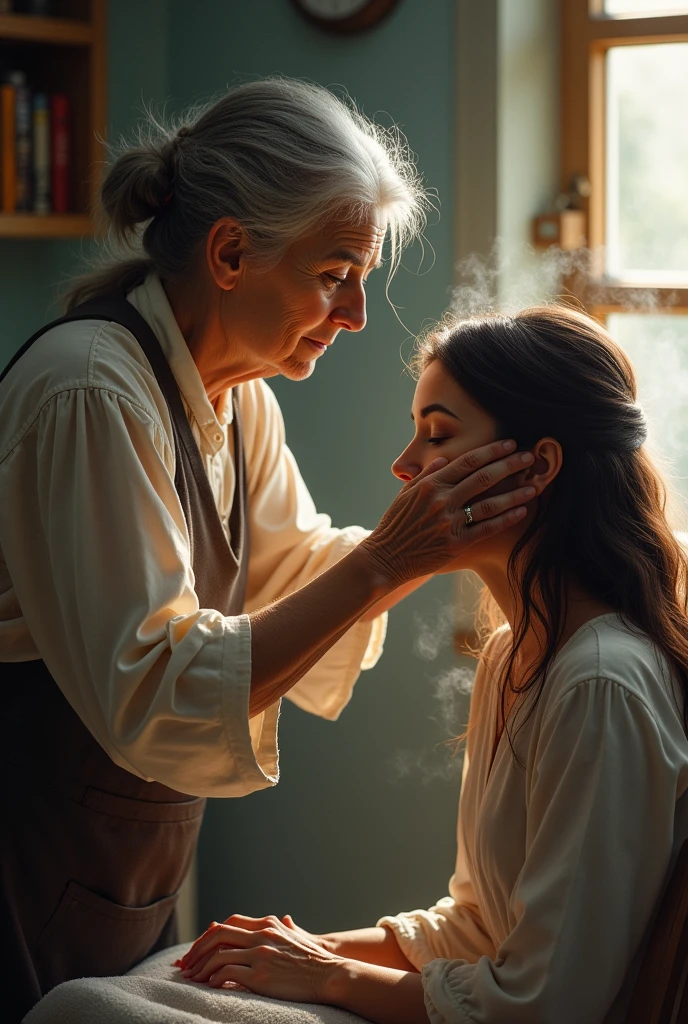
x,y
156,993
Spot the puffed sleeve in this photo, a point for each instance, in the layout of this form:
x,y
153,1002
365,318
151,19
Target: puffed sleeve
x,y
98,551
453,927
291,544
600,817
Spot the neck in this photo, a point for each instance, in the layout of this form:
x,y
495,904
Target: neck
x,y
581,606
201,317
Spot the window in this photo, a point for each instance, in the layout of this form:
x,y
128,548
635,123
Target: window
x,y
640,8
625,128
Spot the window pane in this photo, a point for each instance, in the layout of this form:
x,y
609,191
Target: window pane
x,y
647,163
646,8
658,349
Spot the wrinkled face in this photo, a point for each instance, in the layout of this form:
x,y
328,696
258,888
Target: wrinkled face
x,y
447,422
290,315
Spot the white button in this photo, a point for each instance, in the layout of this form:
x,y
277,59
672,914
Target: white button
x,y
218,437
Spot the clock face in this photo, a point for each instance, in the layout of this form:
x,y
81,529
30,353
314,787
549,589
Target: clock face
x,y
345,16
333,10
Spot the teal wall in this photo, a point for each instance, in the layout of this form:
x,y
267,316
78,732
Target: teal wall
x,y
342,840
345,836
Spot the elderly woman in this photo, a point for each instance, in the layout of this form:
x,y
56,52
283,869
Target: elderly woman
x,y
164,578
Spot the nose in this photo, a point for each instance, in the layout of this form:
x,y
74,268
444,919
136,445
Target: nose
x,y
351,314
405,468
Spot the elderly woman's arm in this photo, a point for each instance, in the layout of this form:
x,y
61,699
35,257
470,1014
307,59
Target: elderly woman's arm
x,y
292,544
392,599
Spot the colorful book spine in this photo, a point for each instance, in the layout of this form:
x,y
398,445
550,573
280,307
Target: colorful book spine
x,y
7,148
23,127
60,152
41,154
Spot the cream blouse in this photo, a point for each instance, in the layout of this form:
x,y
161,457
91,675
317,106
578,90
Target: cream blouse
x,y
95,570
560,862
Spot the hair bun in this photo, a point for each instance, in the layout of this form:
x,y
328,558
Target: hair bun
x,y
136,187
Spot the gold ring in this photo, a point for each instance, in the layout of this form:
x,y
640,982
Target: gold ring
x,y
468,514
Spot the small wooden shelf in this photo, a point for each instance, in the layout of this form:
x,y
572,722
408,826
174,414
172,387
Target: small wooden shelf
x,y
65,53
61,31
51,225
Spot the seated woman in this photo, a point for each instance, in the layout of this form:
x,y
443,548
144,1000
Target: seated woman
x,y
572,807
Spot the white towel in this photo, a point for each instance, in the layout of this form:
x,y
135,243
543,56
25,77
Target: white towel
x,y
156,993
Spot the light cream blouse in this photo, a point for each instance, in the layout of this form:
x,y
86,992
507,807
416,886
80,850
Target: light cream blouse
x,y
560,862
95,571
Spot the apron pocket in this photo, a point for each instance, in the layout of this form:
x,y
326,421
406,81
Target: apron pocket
x,y
90,936
143,810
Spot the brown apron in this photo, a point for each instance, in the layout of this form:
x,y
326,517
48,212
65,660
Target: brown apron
x,y
91,856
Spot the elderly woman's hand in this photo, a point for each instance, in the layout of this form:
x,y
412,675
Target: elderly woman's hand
x,y
269,956
425,528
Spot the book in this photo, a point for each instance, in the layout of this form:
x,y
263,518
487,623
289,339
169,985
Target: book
x,y
41,154
60,146
7,148
23,130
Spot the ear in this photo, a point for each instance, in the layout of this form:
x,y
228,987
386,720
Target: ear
x,y
548,462
226,247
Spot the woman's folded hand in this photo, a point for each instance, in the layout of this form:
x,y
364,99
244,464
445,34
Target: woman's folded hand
x,y
269,956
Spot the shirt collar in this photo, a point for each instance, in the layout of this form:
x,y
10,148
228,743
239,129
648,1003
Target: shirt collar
x,y
152,303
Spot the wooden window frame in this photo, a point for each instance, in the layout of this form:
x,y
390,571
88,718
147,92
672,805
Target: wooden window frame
x,y
586,36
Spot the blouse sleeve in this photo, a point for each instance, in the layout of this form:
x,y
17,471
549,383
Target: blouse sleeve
x,y
600,817
291,544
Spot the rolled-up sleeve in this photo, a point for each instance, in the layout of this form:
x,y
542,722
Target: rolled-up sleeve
x,y
292,544
600,822
97,548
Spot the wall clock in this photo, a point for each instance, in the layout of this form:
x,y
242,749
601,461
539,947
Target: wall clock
x,y
345,15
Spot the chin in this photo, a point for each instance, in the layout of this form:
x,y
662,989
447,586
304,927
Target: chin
x,y
297,369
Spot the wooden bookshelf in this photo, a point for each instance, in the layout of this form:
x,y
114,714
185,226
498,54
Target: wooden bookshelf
x,y
61,31
47,225
65,53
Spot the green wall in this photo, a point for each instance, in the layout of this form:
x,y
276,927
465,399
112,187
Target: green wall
x,y
342,839
346,836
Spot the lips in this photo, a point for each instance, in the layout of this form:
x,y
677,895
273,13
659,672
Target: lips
x,y
319,346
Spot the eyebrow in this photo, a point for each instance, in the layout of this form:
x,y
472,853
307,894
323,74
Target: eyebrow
x,y
352,256
436,407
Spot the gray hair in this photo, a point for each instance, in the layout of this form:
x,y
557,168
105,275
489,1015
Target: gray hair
x,y
278,154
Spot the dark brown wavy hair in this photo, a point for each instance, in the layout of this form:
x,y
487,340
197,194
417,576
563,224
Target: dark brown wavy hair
x,y
551,371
